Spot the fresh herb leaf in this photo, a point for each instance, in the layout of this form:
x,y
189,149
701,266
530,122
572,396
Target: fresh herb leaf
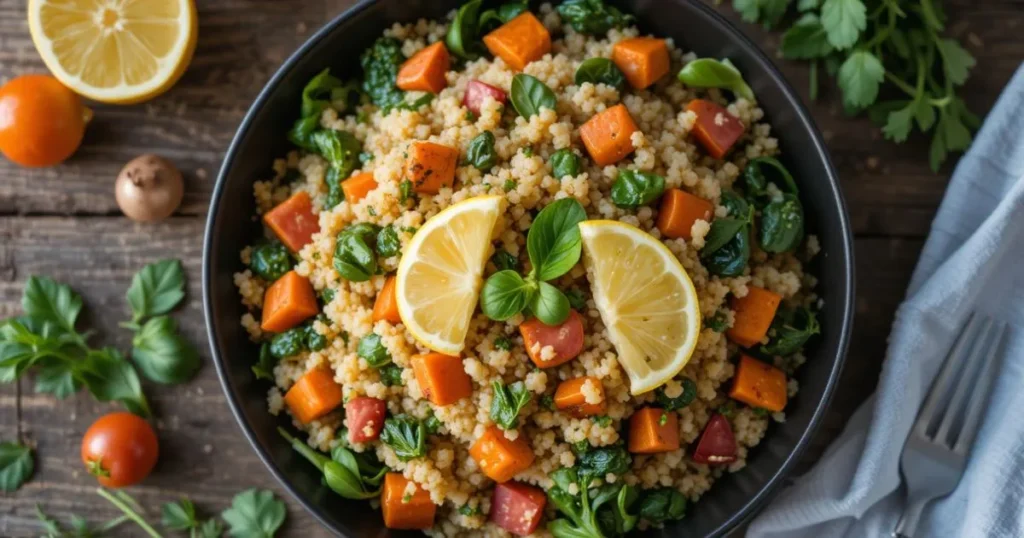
x,y
504,261
406,435
507,402
549,305
288,343
301,133
577,299
179,516
956,61
553,242
372,350
316,95
16,465
381,63
254,513
48,301
718,323
662,505
600,71
388,243
162,355
264,367
111,377
505,294
782,225
341,150
468,510
763,170
503,343
633,188
806,40
505,12
712,73
790,331
270,260
843,21
405,190
598,462
481,153
684,399
860,77
565,162
390,375
156,289
354,260
592,17
529,95
461,39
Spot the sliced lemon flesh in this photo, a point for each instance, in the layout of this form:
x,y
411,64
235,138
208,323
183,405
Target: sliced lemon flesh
x,y
646,300
441,272
115,51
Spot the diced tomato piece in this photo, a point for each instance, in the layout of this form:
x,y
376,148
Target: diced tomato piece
x,y
364,417
717,444
566,340
517,507
477,91
716,129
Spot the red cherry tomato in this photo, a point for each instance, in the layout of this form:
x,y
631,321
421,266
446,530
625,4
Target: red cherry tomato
x,y
517,507
119,449
477,91
364,417
566,340
41,121
717,444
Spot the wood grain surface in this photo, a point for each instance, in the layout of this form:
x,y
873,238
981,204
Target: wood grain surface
x,y
64,222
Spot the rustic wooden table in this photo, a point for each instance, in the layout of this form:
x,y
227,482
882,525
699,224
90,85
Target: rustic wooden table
x,y
64,222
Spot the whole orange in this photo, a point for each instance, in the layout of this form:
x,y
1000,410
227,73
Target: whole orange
x,y
41,121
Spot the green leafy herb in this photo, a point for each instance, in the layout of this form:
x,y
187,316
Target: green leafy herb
x,y
388,243
504,261
843,21
432,424
505,294
288,343
547,401
662,504
381,63
404,190
508,401
600,71
341,150
481,153
577,299
603,421
354,259
80,527
769,11
16,465
254,513
782,225
162,355
684,399
390,375
301,133
718,323
549,304
860,77
790,331
462,37
592,17
504,13
406,435
314,340
806,40
415,104
509,185
179,516
468,510
343,471
155,290
727,245
711,73
529,95
633,188
565,162
763,170
503,343
270,261
761,412
372,350
323,90
593,512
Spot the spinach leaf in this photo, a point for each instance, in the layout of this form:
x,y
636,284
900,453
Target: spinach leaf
x,y
782,225
405,191
549,304
340,148
270,260
722,255
529,95
461,39
381,63
16,465
554,242
388,243
254,513
722,231
373,351
288,343
598,462
732,258
390,375
301,133
264,367
335,194
711,73
735,205
679,402
790,330
592,16
481,153
317,94
662,504
162,355
353,258
577,299
504,13
600,71
406,435
565,162
504,261
762,170
314,340
504,295
633,188
507,402
155,290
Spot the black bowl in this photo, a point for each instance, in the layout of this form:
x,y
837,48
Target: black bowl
x,y
694,26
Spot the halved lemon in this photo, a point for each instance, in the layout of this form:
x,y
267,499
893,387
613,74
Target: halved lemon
x,y
646,300
115,51
440,274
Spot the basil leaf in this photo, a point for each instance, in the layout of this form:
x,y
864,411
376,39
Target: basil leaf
x,y
316,96
711,73
51,302
254,513
507,402
504,295
679,402
592,16
761,170
633,188
463,31
16,465
782,225
373,351
565,162
110,377
301,133
481,153
600,71
388,243
354,260
790,330
406,435
344,482
722,231
264,367
554,242
550,305
270,260
162,355
529,95
156,289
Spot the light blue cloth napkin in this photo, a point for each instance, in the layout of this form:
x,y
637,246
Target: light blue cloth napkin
x,y
973,260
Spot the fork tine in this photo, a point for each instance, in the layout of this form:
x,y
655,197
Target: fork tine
x,y
965,382
949,370
972,419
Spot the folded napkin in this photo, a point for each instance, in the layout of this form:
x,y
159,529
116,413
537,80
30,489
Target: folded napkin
x,y
973,260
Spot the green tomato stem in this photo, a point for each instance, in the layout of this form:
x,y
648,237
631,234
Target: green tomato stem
x,y
128,512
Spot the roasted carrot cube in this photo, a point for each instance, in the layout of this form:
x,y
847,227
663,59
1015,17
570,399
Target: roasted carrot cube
x,y
293,221
571,396
759,384
519,41
288,301
679,210
425,70
386,305
358,186
607,135
442,378
314,395
404,511
753,315
498,457
716,129
642,59
653,430
431,166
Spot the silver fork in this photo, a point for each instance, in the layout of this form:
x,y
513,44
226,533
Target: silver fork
x,y
935,455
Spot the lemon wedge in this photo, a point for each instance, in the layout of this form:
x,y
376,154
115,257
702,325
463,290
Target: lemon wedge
x,y
441,272
115,51
646,300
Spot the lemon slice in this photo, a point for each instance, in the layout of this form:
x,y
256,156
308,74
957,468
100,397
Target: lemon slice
x,y
115,51
441,271
646,300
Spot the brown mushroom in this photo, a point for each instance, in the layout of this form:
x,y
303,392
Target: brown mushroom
x,y
149,188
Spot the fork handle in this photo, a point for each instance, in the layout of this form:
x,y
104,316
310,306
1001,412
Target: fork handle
x,y
907,525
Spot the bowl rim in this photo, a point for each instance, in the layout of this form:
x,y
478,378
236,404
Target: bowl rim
x,y
846,291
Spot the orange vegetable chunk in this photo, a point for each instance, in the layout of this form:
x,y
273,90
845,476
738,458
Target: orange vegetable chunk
x,y
569,397
404,512
442,378
288,301
642,59
431,166
519,41
759,384
425,70
499,458
293,221
753,315
679,210
314,395
607,135
650,434
358,186
386,305
716,129
566,340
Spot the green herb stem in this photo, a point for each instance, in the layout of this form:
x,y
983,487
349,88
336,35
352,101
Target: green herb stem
x,y
302,448
128,512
